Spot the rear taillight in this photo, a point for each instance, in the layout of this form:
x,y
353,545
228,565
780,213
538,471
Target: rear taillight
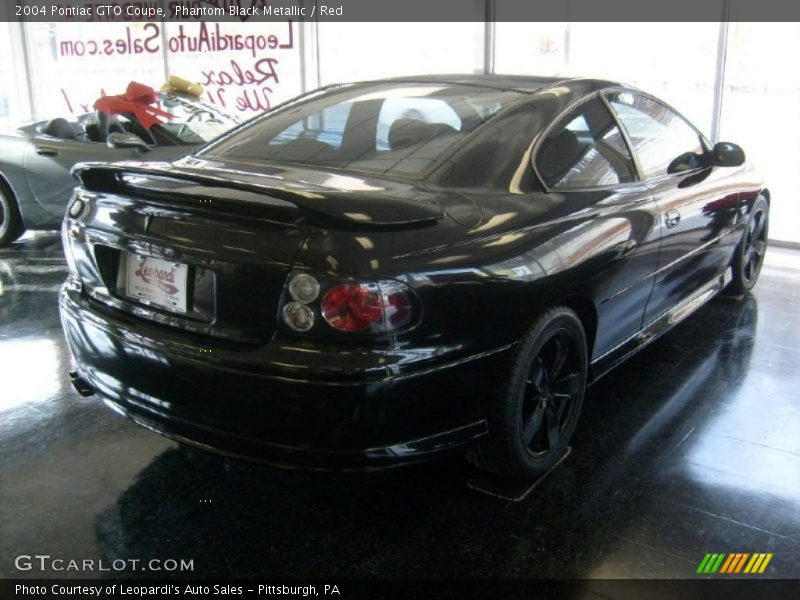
x,y
304,288
350,307
298,316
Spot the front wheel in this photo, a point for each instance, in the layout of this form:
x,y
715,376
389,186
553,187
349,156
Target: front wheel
x,y
10,221
534,416
749,256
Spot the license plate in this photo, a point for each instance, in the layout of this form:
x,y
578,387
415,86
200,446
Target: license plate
x,y
157,282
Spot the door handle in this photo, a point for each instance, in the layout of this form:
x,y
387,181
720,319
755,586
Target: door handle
x,y
46,151
671,218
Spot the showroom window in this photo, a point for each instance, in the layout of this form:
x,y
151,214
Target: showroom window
x,y
14,107
760,112
73,65
659,136
351,52
586,151
676,62
242,81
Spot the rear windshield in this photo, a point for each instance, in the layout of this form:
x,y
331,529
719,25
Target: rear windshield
x,y
399,129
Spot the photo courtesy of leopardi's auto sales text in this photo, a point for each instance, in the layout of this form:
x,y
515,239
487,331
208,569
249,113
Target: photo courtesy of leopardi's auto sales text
x,y
369,299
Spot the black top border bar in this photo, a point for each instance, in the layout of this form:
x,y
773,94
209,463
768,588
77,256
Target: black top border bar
x,y
405,11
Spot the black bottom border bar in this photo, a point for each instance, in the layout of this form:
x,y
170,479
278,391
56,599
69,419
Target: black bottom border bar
x,y
578,589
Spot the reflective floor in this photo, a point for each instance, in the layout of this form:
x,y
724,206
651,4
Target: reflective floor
x,y
692,447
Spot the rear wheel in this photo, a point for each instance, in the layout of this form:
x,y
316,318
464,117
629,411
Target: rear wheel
x,y
749,255
10,221
535,414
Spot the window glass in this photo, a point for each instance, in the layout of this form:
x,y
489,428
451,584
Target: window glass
x,y
428,110
325,126
662,140
259,67
586,150
394,128
760,112
352,52
14,101
679,68
75,63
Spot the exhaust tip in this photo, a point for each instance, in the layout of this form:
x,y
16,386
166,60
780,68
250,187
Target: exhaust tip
x,y
81,385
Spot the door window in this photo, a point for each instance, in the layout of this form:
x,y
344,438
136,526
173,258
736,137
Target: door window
x,y
585,150
662,140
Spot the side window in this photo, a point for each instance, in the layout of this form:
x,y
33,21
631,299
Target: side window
x,y
662,140
585,150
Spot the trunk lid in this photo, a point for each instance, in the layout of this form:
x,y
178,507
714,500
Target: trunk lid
x,y
237,231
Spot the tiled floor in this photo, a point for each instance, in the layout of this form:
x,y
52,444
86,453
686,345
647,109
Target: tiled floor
x,y
691,447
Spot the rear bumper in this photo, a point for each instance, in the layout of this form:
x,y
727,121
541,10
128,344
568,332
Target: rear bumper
x,y
286,405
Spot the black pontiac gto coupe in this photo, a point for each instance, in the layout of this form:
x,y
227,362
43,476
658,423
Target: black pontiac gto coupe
x,y
382,272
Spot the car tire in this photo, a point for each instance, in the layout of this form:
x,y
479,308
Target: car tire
x,y
534,416
10,220
749,255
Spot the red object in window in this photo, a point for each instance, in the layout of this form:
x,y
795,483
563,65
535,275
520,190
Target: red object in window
x,y
136,101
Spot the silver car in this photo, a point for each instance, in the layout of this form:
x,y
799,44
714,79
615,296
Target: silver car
x,y
36,159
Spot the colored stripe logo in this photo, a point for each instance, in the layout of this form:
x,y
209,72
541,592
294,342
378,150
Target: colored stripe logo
x,y
734,563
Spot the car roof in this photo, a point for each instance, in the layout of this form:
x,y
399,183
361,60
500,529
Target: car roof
x,y
518,83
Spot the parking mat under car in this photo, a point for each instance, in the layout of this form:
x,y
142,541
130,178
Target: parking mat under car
x,y
508,489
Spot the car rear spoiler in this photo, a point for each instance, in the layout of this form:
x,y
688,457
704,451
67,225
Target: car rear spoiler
x,y
224,188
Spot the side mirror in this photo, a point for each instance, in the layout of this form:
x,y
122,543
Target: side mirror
x,y
726,154
126,140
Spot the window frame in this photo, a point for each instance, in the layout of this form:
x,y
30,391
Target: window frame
x,y
707,146
559,120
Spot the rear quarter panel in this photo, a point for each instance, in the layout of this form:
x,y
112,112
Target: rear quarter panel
x,y
481,287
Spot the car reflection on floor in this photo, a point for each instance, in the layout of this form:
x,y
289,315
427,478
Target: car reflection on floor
x,y
690,447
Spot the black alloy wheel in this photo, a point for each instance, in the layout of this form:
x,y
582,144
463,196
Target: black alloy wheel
x,y
749,256
534,417
552,389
